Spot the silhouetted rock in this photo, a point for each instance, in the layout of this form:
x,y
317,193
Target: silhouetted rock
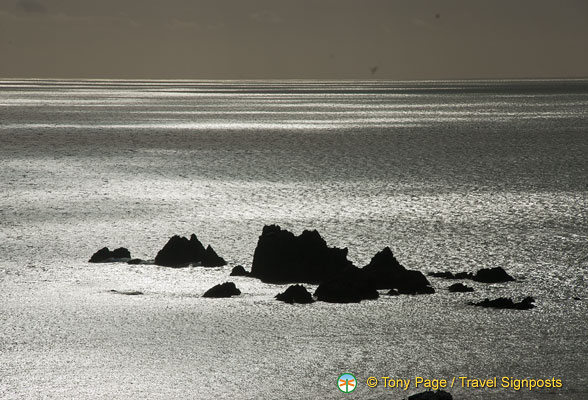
x,y
506,303
464,275
350,286
398,292
444,274
485,275
430,395
282,257
179,251
492,275
127,292
138,261
450,275
105,255
239,270
387,273
415,291
211,259
295,294
460,287
226,289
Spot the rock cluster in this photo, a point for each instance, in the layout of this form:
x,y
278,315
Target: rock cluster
x,y
281,256
506,303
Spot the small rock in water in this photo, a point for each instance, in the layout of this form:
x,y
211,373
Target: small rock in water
x,y
239,270
226,289
492,275
460,287
295,294
485,275
126,292
105,255
506,303
444,274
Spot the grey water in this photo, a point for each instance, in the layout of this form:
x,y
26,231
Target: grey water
x,y
452,175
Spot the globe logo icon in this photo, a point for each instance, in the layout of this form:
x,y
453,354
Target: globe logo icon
x,y
346,383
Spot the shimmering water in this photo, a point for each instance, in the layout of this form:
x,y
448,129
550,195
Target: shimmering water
x,y
451,175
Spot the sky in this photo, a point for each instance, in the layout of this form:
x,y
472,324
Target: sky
x,y
293,39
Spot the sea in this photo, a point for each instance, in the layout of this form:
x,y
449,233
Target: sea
x,y
451,175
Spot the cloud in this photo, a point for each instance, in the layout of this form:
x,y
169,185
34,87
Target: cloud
x,y
31,7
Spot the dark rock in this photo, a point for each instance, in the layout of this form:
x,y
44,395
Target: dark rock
x,y
415,291
126,292
444,274
138,261
105,255
424,290
485,275
430,395
506,303
226,289
282,257
211,259
450,275
179,251
295,294
239,270
350,286
492,275
387,273
460,287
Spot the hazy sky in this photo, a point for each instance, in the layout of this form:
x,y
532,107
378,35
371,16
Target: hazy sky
x,y
322,39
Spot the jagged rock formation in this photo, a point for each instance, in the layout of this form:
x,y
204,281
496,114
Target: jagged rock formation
x,y
387,273
282,257
179,251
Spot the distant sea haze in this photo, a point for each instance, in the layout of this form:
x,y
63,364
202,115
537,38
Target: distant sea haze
x,y
451,175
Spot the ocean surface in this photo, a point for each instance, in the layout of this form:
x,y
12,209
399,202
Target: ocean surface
x,y
455,175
